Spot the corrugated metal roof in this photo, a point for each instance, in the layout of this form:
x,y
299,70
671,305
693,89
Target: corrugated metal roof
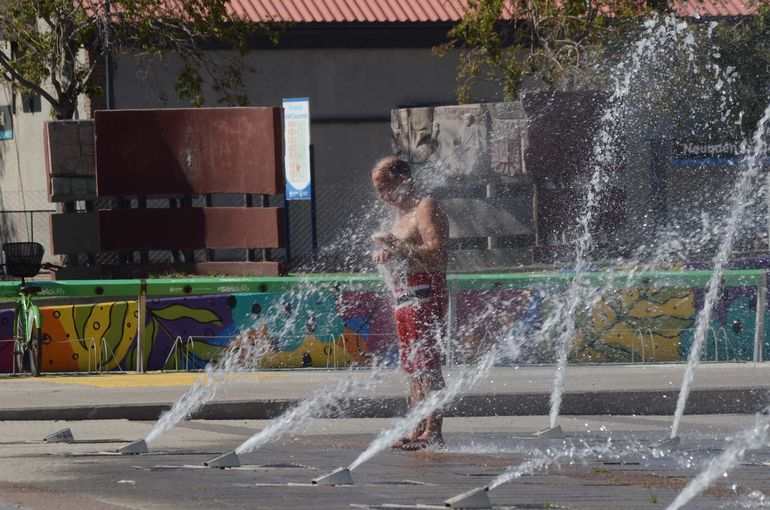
x,y
716,7
424,11
351,11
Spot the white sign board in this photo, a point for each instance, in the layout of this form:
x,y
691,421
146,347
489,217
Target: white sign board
x,y
296,133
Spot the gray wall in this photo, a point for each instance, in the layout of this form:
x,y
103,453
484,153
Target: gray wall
x,y
22,175
352,92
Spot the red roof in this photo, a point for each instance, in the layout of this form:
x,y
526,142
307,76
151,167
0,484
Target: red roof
x,y
342,11
716,7
415,11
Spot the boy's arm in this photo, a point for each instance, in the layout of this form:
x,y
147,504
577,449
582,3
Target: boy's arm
x,y
433,226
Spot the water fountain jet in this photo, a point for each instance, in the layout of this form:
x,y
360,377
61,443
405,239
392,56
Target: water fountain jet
x,y
753,437
340,476
476,498
744,193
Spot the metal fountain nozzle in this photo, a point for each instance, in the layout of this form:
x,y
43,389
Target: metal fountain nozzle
x,y
669,444
60,436
340,476
226,460
476,498
134,448
550,433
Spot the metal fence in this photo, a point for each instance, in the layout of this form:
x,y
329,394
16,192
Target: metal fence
x,y
27,226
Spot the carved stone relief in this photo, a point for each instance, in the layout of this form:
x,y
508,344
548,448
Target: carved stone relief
x,y
463,141
421,140
399,126
507,146
461,136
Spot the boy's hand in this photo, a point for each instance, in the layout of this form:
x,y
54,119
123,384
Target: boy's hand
x,y
381,256
386,238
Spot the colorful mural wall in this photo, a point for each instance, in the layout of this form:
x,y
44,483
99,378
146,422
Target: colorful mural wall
x,y
327,328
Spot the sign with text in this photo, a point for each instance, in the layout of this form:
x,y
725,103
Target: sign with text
x,y
719,154
296,131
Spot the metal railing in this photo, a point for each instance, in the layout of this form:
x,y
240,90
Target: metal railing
x,y
14,368
94,364
718,336
26,226
181,352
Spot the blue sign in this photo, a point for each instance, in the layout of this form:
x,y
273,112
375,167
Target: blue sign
x,y
296,133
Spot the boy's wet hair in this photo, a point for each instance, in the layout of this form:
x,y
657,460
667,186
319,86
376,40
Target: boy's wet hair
x,y
394,166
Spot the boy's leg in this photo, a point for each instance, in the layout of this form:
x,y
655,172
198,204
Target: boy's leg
x,y
432,380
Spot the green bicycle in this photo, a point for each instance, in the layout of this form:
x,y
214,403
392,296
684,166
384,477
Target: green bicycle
x,y
23,260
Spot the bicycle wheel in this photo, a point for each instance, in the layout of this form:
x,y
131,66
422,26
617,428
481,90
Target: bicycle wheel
x,y
34,352
18,345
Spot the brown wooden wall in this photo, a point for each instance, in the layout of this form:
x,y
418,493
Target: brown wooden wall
x,y
188,151
123,158
167,229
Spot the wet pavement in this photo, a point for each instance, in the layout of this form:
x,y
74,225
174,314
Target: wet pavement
x,y
603,463
508,391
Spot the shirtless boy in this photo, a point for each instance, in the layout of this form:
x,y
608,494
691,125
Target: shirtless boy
x,y
418,240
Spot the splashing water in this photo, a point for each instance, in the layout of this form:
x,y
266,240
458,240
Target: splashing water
x,y
332,400
387,276
754,499
510,344
244,353
743,195
661,38
326,402
217,376
570,454
753,437
203,390
436,400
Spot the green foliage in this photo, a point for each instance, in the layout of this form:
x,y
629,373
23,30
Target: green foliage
x,y
653,493
560,43
745,45
504,40
56,44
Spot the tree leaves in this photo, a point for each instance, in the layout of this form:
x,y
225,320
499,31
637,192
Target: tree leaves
x,y
504,40
56,45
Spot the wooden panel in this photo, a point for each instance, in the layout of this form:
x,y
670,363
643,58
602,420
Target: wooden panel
x,y
561,131
69,160
190,228
75,233
188,151
64,189
70,148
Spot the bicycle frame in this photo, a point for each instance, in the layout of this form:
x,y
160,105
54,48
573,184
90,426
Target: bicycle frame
x,y
29,314
24,260
27,318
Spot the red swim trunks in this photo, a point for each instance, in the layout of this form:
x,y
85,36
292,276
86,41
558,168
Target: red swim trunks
x,y
420,310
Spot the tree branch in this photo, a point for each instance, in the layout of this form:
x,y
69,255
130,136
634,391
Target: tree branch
x,y
18,78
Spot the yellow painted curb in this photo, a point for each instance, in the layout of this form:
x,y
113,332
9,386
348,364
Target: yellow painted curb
x,y
138,380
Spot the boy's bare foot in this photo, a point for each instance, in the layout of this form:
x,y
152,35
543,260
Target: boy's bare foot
x,y
422,444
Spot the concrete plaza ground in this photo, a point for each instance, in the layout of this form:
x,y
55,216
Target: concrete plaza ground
x,y
604,462
588,474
